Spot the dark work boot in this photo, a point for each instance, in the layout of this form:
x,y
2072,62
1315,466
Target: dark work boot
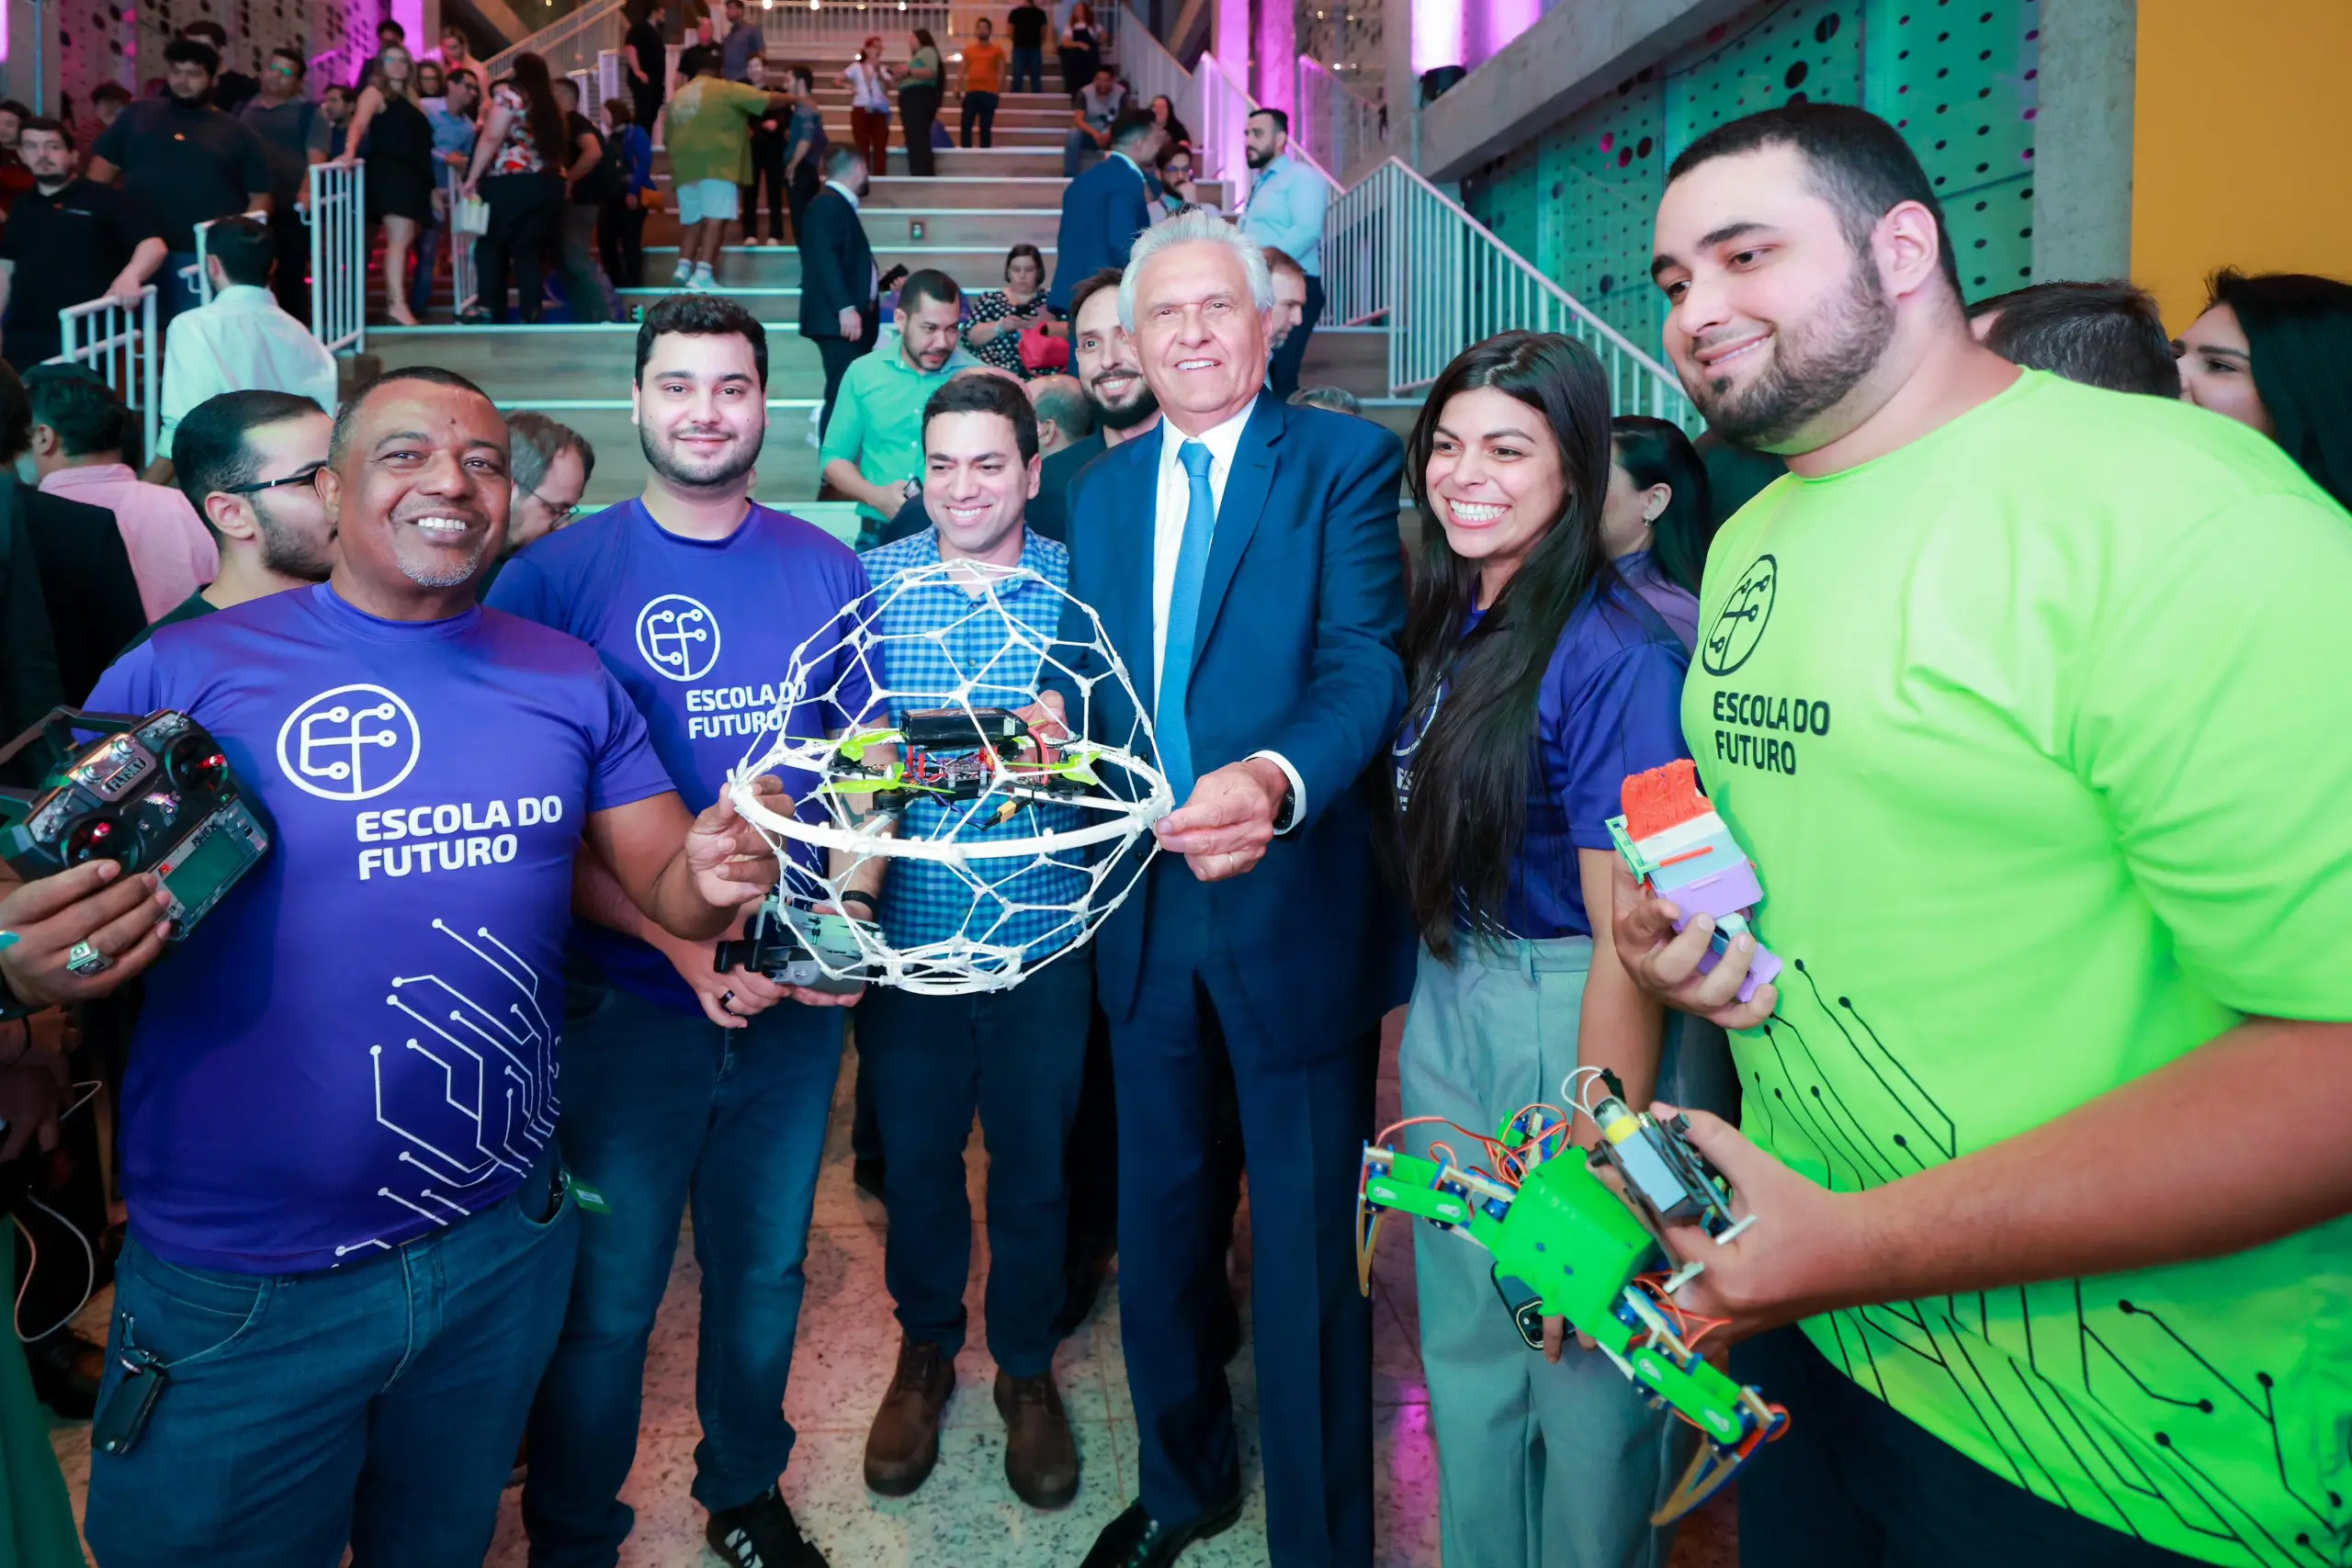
x,y
1040,1455
903,1443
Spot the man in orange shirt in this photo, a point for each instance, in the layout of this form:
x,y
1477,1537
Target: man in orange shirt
x,y
983,80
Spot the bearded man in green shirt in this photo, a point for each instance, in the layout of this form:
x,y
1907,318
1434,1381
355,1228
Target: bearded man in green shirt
x,y
2028,699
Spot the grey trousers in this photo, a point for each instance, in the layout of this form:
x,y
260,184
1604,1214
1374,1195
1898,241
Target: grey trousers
x,y
1540,1465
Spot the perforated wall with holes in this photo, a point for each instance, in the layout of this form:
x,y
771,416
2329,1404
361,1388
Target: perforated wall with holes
x,y
1956,76
113,41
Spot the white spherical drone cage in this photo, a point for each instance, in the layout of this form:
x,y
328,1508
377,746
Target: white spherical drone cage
x,y
1086,804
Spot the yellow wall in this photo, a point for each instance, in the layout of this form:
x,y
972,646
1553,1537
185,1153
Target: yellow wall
x,y
2244,143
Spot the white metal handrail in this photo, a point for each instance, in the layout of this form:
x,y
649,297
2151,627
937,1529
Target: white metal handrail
x,y
1397,249
339,256
463,287
1342,129
119,343
567,44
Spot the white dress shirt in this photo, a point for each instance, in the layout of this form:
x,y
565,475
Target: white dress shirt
x,y
241,341
1175,503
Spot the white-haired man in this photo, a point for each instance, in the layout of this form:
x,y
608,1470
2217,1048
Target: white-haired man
x,y
1279,684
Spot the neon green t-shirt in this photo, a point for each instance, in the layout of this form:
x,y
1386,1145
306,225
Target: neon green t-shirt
x,y
2039,731
708,131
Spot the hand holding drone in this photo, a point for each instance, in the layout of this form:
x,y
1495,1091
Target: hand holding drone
x,y
964,781
1590,1256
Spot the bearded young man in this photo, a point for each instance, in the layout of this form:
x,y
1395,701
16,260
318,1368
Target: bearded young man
x,y
685,1082
2039,761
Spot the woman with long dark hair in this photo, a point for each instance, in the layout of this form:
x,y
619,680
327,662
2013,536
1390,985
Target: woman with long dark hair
x,y
2274,350
1653,523
523,143
919,101
1163,109
1539,680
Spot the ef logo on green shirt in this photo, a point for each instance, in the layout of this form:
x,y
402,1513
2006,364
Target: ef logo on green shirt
x,y
1739,625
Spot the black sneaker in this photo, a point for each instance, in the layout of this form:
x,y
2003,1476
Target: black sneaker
x,y
762,1534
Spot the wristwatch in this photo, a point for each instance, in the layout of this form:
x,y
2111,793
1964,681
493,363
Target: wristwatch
x,y
1286,813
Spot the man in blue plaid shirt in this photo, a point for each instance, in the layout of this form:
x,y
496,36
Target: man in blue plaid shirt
x,y
1016,1056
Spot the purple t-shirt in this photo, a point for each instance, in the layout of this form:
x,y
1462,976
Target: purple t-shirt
x,y
358,1045
700,634
1610,705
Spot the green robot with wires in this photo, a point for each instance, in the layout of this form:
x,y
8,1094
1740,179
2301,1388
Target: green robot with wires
x,y
1592,1257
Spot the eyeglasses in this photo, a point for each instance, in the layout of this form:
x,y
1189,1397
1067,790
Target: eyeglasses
x,y
562,514
300,477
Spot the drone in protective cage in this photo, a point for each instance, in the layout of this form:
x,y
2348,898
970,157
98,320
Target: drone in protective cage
x,y
964,754
1036,833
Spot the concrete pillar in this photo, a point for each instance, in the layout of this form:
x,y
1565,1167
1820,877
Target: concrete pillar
x,y
2083,139
1276,56
1229,36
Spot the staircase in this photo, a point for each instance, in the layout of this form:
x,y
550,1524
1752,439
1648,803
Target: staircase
x,y
962,222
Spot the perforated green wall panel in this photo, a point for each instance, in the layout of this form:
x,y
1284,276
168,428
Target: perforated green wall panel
x,y
1800,51
1958,77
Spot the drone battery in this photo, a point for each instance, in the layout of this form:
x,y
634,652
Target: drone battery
x,y
1670,1179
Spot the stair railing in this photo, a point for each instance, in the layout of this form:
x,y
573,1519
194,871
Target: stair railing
x,y
339,256
1400,251
570,43
119,343
1342,130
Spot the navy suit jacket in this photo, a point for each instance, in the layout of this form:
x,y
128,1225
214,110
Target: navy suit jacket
x,y
836,263
1103,211
1296,652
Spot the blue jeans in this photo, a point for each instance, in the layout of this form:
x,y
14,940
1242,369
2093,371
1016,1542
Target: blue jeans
x,y
1078,150
1017,1058
660,1106
1028,66
377,1403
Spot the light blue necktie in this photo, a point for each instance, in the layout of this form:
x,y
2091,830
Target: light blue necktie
x,y
1184,622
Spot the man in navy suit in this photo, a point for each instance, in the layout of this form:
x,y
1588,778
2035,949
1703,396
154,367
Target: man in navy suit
x,y
1243,558
838,308
1105,208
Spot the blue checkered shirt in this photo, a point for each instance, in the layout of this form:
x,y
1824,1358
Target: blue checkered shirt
x,y
937,637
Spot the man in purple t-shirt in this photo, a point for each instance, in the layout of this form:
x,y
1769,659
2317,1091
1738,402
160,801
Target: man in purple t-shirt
x,y
351,1239
681,1082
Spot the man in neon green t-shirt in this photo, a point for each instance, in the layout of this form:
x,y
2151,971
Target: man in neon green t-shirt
x,y
708,132
2030,703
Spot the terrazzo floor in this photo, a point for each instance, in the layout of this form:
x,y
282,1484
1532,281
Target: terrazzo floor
x,y
964,1515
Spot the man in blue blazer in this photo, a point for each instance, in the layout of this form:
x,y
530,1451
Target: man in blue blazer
x,y
1243,560
1105,208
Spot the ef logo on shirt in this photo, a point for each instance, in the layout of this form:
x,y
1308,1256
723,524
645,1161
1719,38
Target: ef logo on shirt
x,y
1739,625
351,743
678,637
